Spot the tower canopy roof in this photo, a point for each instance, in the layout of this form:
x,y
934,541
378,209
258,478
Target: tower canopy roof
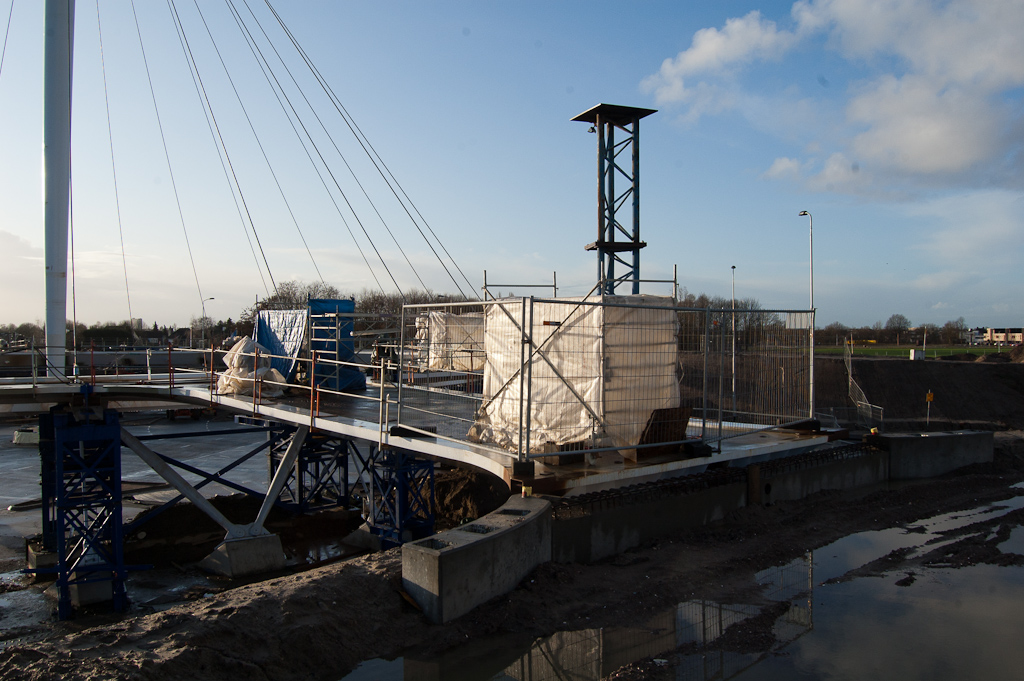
x,y
614,114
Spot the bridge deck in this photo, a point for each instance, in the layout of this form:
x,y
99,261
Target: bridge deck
x,y
359,416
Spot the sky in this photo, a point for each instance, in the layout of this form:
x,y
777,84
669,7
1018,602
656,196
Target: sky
x,y
897,124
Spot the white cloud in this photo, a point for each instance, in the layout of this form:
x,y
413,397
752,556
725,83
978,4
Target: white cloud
x,y
840,173
783,168
940,105
21,277
920,125
713,52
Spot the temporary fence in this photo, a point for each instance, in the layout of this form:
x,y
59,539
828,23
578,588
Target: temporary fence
x,y
631,374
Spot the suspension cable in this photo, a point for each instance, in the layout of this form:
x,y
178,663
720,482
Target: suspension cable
x,y
7,32
256,55
348,203
113,170
248,120
351,125
167,155
344,160
222,153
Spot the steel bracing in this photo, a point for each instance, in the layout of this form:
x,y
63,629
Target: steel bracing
x,y
81,506
319,478
399,490
278,435
618,194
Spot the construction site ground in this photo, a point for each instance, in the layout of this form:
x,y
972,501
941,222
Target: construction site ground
x,y
321,622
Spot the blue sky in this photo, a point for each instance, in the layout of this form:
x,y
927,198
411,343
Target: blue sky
x,y
897,124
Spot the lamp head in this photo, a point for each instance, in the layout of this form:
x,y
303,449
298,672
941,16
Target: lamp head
x,y
803,212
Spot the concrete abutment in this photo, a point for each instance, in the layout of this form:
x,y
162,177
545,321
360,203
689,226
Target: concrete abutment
x,y
452,572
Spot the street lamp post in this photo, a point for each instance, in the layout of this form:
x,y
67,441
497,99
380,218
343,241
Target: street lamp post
x,y
734,341
202,321
810,219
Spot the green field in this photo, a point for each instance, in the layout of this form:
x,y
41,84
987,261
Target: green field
x,y
904,350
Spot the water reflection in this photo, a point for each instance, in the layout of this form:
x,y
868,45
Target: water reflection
x,y
593,654
944,624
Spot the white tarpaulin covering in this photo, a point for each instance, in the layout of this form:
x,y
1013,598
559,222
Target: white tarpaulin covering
x,y
596,374
282,333
455,341
239,377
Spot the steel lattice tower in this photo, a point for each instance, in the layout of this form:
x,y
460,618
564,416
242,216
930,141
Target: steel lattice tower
x,y
617,245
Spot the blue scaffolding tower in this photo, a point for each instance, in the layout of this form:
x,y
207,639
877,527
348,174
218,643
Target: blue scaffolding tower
x,y
399,494
81,506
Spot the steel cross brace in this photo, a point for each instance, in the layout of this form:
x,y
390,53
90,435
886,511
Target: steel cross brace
x,y
233,530
208,477
400,493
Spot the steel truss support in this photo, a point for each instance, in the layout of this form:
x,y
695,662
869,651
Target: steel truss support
x,y
400,494
81,506
276,436
319,478
617,245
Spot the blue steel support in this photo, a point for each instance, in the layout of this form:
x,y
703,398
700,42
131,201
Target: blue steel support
x,y
81,472
319,479
400,494
617,245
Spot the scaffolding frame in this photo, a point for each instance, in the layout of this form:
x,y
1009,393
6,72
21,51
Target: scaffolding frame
x,y
81,506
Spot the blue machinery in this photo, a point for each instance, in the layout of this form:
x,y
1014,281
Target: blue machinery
x,y
80,454
617,245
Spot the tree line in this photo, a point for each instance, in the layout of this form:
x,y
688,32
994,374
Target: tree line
x,y
897,330
294,294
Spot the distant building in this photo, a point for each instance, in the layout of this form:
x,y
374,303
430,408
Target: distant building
x,y
1003,336
975,336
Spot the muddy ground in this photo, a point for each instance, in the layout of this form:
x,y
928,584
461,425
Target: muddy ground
x,y
320,623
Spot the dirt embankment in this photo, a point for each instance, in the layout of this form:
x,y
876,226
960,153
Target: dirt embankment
x,y
982,395
321,623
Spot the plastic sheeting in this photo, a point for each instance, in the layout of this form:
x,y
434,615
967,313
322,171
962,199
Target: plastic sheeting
x,y
243,372
596,374
282,333
455,342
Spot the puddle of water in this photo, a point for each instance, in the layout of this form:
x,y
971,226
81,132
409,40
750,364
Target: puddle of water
x,y
944,624
23,613
848,553
949,624
1015,544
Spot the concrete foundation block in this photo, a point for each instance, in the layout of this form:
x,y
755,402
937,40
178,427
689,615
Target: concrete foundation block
x,y
246,556
87,593
454,571
927,455
38,558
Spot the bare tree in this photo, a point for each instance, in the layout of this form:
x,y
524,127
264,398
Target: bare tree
x,y
952,332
